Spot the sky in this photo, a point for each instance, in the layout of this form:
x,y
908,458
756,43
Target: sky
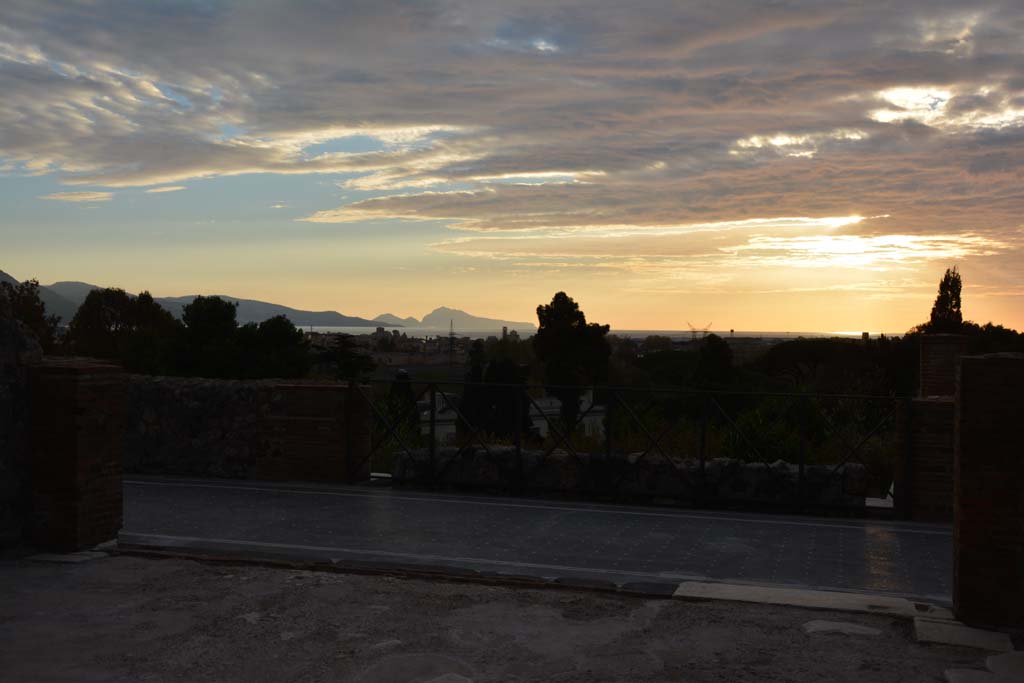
x,y
783,165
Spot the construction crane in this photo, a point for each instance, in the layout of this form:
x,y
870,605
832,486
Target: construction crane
x,y
695,330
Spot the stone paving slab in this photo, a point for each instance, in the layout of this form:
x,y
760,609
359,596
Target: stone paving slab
x,y
844,628
794,597
1008,664
543,539
954,633
976,676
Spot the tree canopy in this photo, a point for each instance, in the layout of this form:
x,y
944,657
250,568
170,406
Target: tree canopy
x,y
946,314
573,351
24,304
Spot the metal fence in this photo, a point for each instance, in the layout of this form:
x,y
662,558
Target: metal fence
x,y
691,446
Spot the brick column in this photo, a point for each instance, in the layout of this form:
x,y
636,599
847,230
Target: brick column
x,y
940,354
988,534
930,493
314,432
928,477
77,408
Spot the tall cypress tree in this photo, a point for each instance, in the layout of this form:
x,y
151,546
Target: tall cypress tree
x,y
946,315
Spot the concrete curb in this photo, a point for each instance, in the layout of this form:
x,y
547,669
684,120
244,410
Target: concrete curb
x,y
655,589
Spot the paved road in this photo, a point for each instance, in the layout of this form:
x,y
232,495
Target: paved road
x,y
540,538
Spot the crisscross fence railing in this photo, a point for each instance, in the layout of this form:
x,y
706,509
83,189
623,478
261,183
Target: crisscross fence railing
x,y
665,443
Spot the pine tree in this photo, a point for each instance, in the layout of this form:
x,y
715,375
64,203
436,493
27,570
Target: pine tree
x,y
946,315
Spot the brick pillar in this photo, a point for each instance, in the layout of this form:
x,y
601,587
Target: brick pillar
x,y
930,490
77,411
928,480
940,354
988,531
308,435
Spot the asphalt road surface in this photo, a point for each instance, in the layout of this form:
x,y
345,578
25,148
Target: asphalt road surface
x,y
551,540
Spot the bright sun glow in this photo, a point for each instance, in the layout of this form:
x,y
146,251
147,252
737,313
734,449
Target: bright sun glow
x,y
797,145
929,106
854,251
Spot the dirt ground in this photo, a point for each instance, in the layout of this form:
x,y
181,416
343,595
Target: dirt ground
x,y
140,619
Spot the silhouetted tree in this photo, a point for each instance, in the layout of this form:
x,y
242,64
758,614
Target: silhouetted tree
x,y
946,315
272,348
574,352
505,377
348,362
285,351
715,366
25,305
211,346
401,403
136,331
474,406
102,324
657,342
154,336
210,317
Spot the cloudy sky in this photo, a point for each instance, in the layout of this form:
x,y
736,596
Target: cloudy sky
x,y
781,165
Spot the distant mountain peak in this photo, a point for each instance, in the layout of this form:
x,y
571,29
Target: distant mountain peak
x,y
444,316
390,319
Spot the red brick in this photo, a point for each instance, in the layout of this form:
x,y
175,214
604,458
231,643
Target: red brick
x,y
989,491
75,439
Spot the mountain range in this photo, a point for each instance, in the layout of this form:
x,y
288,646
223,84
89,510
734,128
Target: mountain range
x,y
441,318
63,299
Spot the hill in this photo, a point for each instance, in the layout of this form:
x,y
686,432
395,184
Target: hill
x,y
395,321
440,318
56,304
63,299
251,310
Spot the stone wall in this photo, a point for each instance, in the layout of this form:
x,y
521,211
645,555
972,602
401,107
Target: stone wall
x,y
18,350
193,427
723,480
988,529
265,429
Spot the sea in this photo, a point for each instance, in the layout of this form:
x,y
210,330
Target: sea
x,y
675,335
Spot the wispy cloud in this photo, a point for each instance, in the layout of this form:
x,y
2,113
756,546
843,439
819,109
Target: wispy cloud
x,y
80,196
168,188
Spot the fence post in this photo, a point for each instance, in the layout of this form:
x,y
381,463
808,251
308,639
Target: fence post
x,y
520,476
347,415
608,411
432,448
800,497
902,492
703,447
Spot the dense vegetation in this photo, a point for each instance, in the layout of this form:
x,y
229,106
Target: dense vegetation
x,y
206,342
567,350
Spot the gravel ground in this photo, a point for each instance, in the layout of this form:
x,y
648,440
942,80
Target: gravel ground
x,y
140,619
